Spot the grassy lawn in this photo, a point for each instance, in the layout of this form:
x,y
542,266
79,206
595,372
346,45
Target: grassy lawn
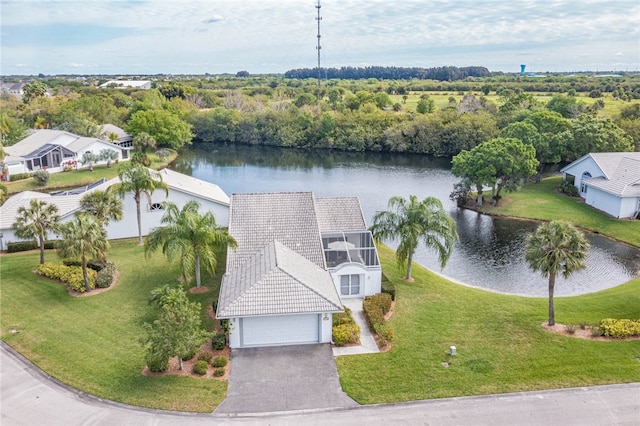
x,y
92,343
501,346
80,177
542,201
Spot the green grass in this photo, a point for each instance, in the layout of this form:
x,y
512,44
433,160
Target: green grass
x,y
542,201
501,346
92,343
80,177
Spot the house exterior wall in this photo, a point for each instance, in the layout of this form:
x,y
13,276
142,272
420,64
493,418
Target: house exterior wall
x,y
9,236
128,226
604,201
629,206
587,165
325,328
95,148
371,278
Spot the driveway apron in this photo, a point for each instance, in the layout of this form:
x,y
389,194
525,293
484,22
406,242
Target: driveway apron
x,y
283,378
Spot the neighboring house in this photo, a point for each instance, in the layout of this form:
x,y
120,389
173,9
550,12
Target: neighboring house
x,y
127,84
52,150
297,256
182,188
608,181
14,89
123,139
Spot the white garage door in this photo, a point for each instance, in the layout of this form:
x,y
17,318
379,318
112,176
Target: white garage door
x,y
280,330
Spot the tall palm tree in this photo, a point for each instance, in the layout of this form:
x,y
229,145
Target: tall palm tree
x,y
36,221
84,238
556,248
104,205
412,221
140,181
190,235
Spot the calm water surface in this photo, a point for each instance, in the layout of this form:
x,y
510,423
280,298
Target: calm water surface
x,y
490,251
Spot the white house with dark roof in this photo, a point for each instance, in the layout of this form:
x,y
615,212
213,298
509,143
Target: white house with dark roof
x,y
182,188
608,181
297,256
52,150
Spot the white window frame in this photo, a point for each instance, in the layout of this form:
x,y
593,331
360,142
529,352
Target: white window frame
x,y
350,285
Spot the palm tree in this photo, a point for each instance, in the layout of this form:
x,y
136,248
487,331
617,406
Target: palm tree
x,y
36,221
190,235
556,247
84,238
140,181
103,205
411,221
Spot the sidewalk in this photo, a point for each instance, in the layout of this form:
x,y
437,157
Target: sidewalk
x,y
367,342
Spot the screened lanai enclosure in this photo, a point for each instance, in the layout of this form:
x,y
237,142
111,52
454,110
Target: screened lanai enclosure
x,y
48,156
349,247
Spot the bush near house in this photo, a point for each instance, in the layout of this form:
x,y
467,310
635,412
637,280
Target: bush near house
x,y
388,288
71,275
19,176
15,247
345,330
375,308
219,362
104,277
200,367
41,177
218,342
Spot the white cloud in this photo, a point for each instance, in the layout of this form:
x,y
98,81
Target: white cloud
x,y
276,35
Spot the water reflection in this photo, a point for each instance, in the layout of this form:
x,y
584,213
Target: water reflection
x,y
490,253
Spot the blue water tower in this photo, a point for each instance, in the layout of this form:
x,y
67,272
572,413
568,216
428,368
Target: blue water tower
x,y
522,67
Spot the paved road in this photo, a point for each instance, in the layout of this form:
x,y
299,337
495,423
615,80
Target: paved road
x,y
28,397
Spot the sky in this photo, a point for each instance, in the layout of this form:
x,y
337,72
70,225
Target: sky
x,y
273,36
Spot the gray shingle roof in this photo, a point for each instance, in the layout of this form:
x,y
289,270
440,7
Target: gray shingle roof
x,y
277,281
624,180
340,213
258,219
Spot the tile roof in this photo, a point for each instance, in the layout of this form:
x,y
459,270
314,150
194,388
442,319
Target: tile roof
x,y
624,180
277,281
609,161
67,204
194,186
340,213
258,219
38,139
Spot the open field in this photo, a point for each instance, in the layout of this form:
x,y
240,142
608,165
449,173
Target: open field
x,y
612,107
542,201
80,177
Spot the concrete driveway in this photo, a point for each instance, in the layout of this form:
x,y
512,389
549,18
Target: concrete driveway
x,y
283,378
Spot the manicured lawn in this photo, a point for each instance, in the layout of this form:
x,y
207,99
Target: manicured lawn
x,y
542,201
80,177
92,343
501,346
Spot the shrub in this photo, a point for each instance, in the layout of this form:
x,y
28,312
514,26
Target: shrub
x,y
219,361
21,246
372,312
385,333
346,333
200,367
156,363
41,177
19,176
345,317
224,323
571,329
205,356
389,288
583,325
71,275
219,341
620,328
97,264
49,244
188,355
218,372
72,262
104,277
569,189
596,331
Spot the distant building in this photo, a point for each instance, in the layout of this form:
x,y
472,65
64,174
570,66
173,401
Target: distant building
x,y
127,84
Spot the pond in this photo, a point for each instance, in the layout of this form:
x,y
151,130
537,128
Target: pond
x,y
490,252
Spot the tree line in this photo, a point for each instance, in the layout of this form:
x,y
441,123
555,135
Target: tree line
x,y
390,73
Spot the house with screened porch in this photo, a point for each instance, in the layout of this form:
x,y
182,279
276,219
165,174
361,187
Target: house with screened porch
x,y
298,256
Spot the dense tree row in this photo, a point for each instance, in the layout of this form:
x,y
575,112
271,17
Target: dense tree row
x,y
391,73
